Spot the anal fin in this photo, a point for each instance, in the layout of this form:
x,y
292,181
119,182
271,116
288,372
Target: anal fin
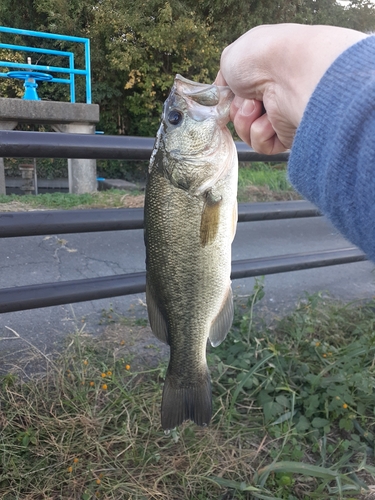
x,y
157,321
223,321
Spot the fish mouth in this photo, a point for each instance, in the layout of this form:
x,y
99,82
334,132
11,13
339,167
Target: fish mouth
x,y
203,94
200,100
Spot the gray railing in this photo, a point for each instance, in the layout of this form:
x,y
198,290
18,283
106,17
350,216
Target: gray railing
x,y
46,145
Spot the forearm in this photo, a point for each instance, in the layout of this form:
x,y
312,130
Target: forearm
x,y
332,162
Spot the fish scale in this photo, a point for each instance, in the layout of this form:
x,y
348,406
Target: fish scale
x,y
188,237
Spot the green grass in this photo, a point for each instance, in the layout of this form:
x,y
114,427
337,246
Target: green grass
x,y
263,182
113,198
293,417
262,174
256,182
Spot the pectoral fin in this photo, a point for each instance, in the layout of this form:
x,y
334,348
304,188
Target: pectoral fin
x,y
223,321
210,219
156,318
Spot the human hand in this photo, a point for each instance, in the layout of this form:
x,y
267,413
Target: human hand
x,y
273,71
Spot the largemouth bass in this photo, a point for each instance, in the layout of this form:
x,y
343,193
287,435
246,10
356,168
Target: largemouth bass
x,y
190,222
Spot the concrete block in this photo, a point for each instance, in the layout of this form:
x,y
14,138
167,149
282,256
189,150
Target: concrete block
x,y
47,112
81,172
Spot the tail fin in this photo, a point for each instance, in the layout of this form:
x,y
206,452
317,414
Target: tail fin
x,y
193,402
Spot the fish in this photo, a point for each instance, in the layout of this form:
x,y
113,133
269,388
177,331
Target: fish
x,y
190,219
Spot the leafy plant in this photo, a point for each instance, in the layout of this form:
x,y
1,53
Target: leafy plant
x,y
313,377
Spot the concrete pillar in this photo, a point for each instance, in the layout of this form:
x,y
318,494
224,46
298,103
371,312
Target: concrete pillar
x,y
81,172
4,125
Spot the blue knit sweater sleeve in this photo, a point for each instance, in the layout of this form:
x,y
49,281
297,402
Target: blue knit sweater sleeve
x,y
332,162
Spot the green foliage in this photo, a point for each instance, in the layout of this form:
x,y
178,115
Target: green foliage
x,y
10,87
313,376
132,171
138,46
48,168
262,174
136,51
322,369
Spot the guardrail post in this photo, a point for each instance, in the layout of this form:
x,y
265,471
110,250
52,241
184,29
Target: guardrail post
x,y
81,172
4,125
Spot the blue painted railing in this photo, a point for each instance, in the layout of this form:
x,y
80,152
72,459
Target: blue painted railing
x,y
71,70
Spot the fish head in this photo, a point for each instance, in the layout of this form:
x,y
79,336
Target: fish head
x,y
194,142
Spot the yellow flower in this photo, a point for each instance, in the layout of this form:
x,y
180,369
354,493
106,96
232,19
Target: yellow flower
x,y
317,344
98,481
104,387
92,383
324,355
122,342
345,406
85,362
70,469
127,367
76,460
104,375
109,373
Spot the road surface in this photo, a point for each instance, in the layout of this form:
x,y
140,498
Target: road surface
x,y
41,259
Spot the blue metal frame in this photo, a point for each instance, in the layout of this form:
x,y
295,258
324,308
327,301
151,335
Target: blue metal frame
x,y
71,71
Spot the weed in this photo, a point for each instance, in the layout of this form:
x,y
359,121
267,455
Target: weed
x,y
262,174
113,198
289,423
313,377
256,182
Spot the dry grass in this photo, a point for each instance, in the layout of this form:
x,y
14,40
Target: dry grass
x,y
254,194
89,427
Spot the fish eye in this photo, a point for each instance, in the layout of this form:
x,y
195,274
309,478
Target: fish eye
x,y
174,117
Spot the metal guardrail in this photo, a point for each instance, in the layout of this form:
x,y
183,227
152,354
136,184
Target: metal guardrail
x,y
15,144
38,144
67,292
14,224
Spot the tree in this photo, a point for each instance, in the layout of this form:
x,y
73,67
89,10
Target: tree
x,y
137,46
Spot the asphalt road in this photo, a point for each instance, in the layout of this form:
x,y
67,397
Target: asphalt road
x,y
41,259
